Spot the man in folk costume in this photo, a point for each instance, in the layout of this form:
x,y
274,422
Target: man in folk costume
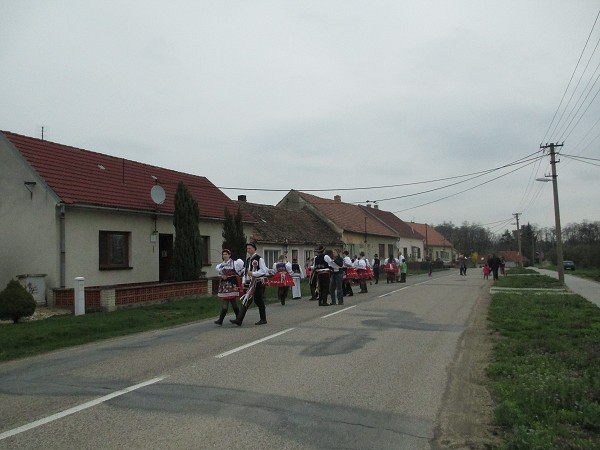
x,y
337,277
254,272
282,278
297,277
321,270
230,286
375,265
349,274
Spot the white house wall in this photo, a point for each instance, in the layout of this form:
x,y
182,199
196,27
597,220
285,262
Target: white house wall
x,y
29,231
82,239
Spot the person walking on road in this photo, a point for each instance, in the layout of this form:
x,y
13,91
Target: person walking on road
x,y
337,278
255,270
230,285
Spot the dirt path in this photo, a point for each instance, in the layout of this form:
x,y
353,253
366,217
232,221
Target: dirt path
x,y
467,412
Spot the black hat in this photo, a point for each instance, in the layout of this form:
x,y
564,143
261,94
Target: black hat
x,y
319,249
252,244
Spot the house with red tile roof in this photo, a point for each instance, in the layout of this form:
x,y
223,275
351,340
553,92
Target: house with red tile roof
x,y
360,228
409,241
435,244
295,233
67,212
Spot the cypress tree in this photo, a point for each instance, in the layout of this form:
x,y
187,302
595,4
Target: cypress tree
x,y
187,258
233,234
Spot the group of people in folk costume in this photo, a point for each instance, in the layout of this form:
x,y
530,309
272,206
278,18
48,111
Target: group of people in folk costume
x,y
237,277
331,273
250,279
395,269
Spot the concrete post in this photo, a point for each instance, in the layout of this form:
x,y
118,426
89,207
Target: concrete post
x,y
79,296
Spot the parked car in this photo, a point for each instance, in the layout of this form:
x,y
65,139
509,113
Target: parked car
x,y
569,265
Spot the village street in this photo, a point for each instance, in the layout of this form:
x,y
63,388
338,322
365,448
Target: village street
x,y
384,371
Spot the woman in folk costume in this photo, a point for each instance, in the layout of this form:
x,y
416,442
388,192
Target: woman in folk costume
x,y
282,279
360,264
230,272
391,269
297,277
349,275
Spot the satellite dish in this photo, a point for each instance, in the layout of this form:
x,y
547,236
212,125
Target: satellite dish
x,y
158,194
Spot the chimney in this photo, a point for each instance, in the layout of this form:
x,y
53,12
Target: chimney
x,y
368,205
337,198
376,206
241,198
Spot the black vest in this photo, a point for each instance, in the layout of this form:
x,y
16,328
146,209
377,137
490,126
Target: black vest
x,y
248,265
320,262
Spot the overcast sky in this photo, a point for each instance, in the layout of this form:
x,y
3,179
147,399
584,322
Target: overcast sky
x,y
330,95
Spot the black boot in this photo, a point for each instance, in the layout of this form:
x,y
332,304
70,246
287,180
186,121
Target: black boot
x,y
240,317
221,317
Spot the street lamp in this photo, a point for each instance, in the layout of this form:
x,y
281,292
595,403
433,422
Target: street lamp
x,y
559,248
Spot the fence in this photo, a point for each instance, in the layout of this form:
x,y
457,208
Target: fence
x,y
110,298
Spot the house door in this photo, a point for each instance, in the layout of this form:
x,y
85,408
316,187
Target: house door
x,y
165,256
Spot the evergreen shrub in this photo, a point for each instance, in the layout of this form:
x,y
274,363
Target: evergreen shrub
x,y
16,302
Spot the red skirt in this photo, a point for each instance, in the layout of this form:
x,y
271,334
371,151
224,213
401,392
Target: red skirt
x,y
351,274
281,279
392,268
364,274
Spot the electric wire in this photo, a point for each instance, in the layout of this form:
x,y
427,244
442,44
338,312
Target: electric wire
x,y
463,191
569,83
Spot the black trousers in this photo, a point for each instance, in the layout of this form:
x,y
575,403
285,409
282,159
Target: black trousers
x,y
259,294
323,286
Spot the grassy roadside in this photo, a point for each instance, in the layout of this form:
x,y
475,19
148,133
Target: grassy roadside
x,y
545,368
35,337
589,273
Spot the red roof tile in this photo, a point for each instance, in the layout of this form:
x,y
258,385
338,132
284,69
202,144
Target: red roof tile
x,y
347,216
279,225
434,239
82,177
402,228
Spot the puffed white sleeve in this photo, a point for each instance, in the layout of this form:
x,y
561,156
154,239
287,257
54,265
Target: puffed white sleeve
x,y
238,265
262,268
288,267
219,268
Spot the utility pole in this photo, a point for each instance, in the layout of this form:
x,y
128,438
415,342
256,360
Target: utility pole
x,y
519,239
559,249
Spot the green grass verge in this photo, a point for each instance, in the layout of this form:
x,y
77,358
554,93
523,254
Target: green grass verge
x,y
589,273
30,338
545,369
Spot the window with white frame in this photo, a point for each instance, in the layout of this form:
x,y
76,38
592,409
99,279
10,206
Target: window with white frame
x,y
270,257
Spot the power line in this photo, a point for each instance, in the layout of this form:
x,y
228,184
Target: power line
x,y
569,83
460,192
518,161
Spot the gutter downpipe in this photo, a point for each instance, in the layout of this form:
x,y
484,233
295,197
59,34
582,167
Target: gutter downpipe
x,y
62,245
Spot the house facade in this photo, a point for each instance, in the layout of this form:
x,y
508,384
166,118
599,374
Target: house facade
x,y
436,245
295,233
409,242
68,212
360,228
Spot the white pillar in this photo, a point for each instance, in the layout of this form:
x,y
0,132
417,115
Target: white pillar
x,y
79,296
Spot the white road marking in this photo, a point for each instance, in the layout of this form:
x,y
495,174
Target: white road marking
x,y
338,311
77,409
250,344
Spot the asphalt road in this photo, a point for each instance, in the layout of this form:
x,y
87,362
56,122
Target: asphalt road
x,y
370,374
